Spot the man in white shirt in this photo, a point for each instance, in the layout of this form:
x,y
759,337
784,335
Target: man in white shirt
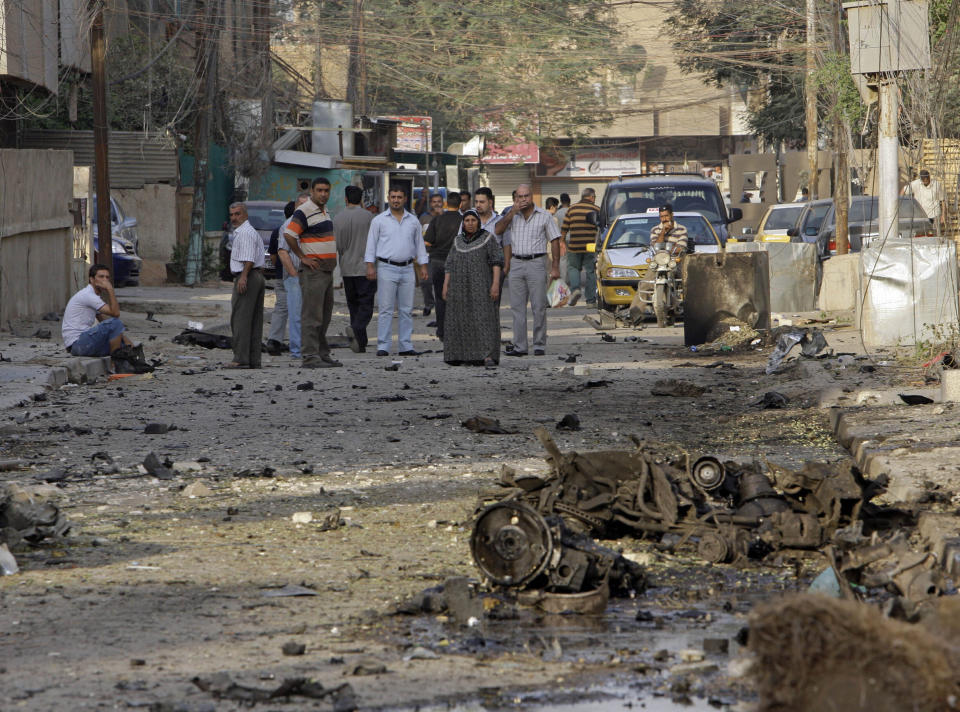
x,y
532,232
394,242
96,302
246,304
929,193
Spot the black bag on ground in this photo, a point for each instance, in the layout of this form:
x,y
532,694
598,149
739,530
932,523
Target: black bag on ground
x,y
130,359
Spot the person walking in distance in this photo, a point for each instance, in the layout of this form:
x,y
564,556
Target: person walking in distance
x,y
394,242
438,240
465,202
351,228
289,268
532,229
310,237
279,317
426,288
580,229
246,303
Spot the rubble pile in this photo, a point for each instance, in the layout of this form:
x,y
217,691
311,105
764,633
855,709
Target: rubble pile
x,y
28,515
812,652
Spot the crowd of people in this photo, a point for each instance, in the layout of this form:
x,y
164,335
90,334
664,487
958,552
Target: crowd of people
x,y
460,250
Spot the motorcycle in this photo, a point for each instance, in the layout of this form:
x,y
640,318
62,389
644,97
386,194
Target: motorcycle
x,y
660,290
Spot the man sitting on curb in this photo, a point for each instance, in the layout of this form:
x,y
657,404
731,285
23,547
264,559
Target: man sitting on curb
x,y
82,335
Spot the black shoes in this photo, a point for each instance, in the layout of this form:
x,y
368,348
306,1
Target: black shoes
x,y
381,352
410,353
427,310
539,352
511,351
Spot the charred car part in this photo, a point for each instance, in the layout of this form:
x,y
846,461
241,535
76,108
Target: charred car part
x,y
729,511
513,545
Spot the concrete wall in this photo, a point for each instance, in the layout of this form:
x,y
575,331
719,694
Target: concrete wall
x,y
35,231
155,208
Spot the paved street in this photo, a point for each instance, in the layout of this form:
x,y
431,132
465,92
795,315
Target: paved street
x,y
170,575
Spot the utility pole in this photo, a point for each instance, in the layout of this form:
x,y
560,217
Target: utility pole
x,y
888,147
98,62
357,64
262,18
206,73
841,193
811,98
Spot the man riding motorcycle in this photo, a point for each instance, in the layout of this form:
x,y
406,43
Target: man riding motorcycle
x,y
669,237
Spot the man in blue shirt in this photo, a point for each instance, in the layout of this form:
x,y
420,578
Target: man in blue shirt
x,y
394,242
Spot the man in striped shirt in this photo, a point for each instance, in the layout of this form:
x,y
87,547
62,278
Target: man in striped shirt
x,y
580,229
310,237
246,304
532,232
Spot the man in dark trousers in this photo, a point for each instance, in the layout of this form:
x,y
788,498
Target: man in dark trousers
x,y
246,304
350,228
439,239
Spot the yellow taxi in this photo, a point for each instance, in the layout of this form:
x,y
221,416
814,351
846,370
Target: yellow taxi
x,y
777,221
624,252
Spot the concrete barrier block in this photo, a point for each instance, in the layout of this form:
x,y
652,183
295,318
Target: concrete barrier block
x,y
838,289
950,386
718,287
57,376
94,368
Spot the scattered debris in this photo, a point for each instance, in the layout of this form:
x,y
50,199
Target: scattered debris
x,y
366,666
772,400
222,687
811,343
8,564
292,648
437,416
195,337
386,399
51,316
42,333
914,399
609,338
158,429
395,366
291,590
571,421
302,517
306,386
27,514
486,426
196,490
420,653
155,467
677,389
57,474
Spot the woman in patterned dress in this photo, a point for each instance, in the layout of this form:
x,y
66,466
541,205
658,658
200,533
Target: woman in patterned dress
x,y
471,287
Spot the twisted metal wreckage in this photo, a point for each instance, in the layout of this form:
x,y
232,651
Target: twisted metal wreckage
x,y
539,536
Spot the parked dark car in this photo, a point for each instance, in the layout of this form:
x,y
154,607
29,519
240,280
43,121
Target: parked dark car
x,y
126,261
265,216
810,221
686,192
863,224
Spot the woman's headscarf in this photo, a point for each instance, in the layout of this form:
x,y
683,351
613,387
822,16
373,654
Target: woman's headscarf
x,y
475,214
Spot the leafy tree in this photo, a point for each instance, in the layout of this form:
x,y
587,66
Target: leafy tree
x,y
154,99
753,45
545,64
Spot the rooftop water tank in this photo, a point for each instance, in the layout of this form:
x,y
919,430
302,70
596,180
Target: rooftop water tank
x,y
330,115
